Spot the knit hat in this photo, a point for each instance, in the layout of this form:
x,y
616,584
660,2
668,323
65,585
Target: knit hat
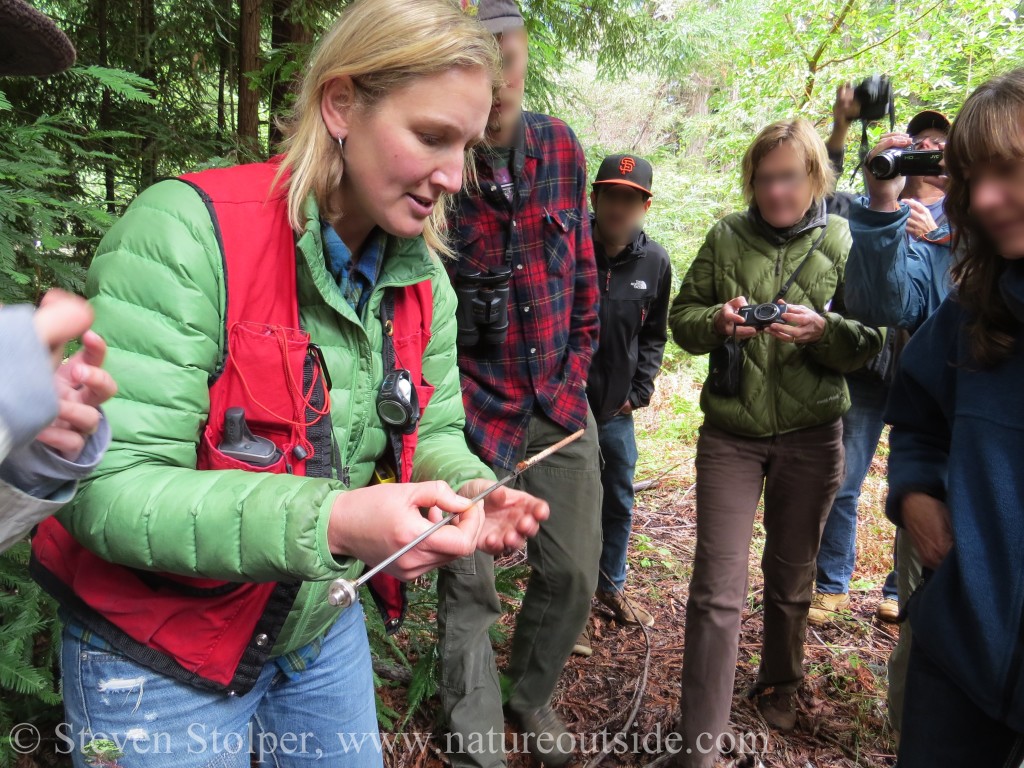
x,y
30,43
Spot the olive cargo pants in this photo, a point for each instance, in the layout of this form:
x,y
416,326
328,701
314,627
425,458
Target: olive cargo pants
x,y
564,568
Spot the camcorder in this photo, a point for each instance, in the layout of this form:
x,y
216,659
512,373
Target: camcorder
x,y
482,313
761,315
906,162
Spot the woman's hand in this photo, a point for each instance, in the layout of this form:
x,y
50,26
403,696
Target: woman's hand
x,y
727,320
510,517
80,382
371,524
926,519
82,386
61,317
803,326
885,195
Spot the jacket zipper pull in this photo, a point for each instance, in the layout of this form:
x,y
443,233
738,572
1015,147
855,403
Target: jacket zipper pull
x,y
608,280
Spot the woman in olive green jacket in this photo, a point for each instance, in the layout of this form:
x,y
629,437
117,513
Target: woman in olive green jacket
x,y
391,101
777,431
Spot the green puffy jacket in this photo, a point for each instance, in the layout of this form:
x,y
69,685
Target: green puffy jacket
x,y
784,387
157,285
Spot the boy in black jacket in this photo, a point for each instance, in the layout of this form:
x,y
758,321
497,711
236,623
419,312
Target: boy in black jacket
x,y
635,279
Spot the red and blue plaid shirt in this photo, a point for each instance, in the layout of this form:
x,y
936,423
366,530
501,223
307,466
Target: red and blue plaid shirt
x,y
544,236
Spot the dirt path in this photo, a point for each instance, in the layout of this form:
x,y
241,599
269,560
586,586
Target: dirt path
x,y
842,707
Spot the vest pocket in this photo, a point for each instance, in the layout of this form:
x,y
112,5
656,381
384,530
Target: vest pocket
x,y
211,457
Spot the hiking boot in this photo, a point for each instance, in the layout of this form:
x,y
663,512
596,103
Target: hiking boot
x,y
583,646
888,610
626,612
546,736
826,607
778,710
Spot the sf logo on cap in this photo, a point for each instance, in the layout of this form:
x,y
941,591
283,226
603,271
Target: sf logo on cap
x,y
627,165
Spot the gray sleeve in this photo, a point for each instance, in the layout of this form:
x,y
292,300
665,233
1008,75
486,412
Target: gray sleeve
x,y
41,472
19,512
28,401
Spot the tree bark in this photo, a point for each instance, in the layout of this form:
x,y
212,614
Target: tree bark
x,y
248,62
103,123
287,33
223,47
150,150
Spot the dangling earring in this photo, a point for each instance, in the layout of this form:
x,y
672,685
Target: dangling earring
x,y
341,144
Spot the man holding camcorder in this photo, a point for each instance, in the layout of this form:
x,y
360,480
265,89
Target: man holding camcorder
x,y
527,321
912,156
897,275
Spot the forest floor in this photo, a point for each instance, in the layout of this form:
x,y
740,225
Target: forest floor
x,y
842,711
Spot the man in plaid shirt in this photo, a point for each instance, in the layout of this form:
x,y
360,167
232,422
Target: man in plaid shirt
x,y
522,394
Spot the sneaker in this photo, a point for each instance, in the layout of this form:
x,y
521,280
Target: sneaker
x,y
778,710
546,736
583,646
626,611
826,607
888,610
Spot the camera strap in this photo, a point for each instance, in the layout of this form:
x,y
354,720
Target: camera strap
x,y
517,162
789,283
389,359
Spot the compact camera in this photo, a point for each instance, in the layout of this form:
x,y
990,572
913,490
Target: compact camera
x,y
761,315
874,94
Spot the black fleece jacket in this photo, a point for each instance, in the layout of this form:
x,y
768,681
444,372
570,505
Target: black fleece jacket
x,y
636,287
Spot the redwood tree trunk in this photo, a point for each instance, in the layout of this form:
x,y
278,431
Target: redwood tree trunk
x,y
286,33
248,63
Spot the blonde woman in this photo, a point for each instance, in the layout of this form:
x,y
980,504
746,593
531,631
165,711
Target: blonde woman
x,y
772,430
253,314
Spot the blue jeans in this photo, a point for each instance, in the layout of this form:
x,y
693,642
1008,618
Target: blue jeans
x,y
862,427
327,714
618,448
942,726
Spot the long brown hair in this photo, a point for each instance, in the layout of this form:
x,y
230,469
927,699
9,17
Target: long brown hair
x,y
988,130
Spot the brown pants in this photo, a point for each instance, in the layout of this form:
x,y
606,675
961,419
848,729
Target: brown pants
x,y
799,474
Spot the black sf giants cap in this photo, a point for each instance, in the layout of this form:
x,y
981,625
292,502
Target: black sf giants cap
x,y
628,170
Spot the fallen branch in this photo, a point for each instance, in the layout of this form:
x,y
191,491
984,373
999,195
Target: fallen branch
x,y
392,672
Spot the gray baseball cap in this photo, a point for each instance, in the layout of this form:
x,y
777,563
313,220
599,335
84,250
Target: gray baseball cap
x,y
499,16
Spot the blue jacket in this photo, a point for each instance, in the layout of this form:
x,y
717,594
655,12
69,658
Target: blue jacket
x,y
893,280
958,435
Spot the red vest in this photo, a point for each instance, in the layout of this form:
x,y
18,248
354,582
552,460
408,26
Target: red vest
x,y
210,633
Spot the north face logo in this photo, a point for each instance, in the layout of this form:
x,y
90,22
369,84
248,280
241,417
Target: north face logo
x,y
640,285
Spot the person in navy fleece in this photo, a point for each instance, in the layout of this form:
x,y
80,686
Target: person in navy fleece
x,y
956,468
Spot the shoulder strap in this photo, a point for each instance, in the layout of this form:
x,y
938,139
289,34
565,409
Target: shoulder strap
x,y
792,278
387,327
